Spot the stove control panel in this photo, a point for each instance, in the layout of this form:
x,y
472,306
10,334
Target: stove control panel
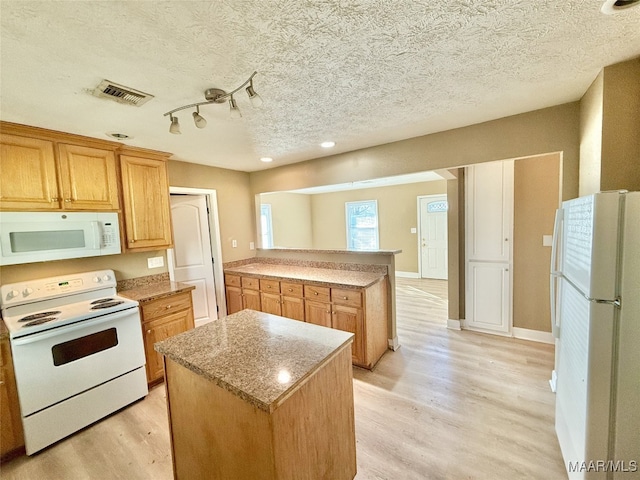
x,y
43,288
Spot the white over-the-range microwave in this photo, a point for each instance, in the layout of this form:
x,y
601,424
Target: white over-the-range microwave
x,y
27,237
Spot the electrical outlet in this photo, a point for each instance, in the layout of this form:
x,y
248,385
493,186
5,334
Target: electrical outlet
x,y
155,262
252,246
414,230
234,243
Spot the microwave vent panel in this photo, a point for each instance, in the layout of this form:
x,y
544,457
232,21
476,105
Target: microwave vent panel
x,y
121,94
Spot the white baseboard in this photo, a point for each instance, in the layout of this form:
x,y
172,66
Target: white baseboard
x,y
554,380
454,324
393,343
407,274
533,335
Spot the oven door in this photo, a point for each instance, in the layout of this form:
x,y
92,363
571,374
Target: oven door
x,y
54,365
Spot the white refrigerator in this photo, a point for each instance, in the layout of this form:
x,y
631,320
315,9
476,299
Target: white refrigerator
x,y
595,303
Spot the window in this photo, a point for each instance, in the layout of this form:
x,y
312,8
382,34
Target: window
x,y
265,225
362,225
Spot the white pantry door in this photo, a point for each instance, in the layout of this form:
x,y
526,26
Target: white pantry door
x,y
489,234
433,236
190,261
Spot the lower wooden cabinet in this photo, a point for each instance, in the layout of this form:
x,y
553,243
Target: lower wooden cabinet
x,y
361,311
11,437
163,318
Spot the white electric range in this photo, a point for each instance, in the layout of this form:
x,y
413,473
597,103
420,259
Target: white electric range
x,y
77,349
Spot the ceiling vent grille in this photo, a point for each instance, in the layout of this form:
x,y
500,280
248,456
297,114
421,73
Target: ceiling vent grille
x,y
121,94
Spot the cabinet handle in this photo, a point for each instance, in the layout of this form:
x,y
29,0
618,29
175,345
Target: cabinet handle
x,y
55,199
329,312
291,289
168,307
149,331
345,298
1,382
315,293
67,200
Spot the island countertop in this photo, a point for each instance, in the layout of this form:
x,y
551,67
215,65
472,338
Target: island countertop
x,y
258,357
323,276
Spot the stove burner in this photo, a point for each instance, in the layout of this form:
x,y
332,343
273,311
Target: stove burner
x,y
39,321
109,304
36,316
102,300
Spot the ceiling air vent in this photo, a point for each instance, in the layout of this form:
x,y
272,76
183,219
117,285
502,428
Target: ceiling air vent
x,y
121,94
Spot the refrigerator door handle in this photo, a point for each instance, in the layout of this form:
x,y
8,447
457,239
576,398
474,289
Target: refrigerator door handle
x,y
555,245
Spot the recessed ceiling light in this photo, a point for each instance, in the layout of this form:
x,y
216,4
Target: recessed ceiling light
x,y
614,6
119,136
328,144
266,159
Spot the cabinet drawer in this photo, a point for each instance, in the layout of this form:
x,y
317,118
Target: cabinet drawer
x,y
317,293
291,289
269,286
164,306
233,280
342,296
251,283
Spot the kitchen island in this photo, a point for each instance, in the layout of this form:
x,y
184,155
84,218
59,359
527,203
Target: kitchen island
x,y
258,396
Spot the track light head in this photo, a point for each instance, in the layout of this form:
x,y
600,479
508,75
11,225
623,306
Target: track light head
x,y
198,119
233,108
256,100
175,126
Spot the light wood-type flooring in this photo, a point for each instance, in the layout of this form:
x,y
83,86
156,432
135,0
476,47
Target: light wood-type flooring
x,y
447,405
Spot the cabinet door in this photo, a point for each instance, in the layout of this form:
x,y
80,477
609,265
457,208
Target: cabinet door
x,y
28,179
146,203
158,330
89,179
234,300
350,319
271,303
251,299
293,307
318,313
11,436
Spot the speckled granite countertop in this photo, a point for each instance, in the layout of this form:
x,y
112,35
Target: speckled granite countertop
x,y
311,250
323,276
153,291
259,357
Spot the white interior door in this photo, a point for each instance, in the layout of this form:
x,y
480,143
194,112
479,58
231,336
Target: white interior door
x,y
489,233
190,261
433,236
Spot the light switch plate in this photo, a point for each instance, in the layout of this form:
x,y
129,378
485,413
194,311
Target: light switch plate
x,y
155,262
547,240
234,243
414,230
252,246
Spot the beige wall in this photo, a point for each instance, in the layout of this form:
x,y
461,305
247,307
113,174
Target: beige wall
x,y
609,119
553,129
125,266
621,127
536,198
290,219
456,244
235,203
591,137
397,214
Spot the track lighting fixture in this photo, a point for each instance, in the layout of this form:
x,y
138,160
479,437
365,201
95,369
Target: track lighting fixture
x,y
216,95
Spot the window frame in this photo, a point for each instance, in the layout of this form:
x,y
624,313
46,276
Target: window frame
x,y
350,239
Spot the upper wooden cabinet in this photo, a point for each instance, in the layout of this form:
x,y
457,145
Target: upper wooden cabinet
x,y
28,179
145,195
89,178
46,170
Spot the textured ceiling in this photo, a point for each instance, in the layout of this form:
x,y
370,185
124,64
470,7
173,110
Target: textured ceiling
x,y
359,72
